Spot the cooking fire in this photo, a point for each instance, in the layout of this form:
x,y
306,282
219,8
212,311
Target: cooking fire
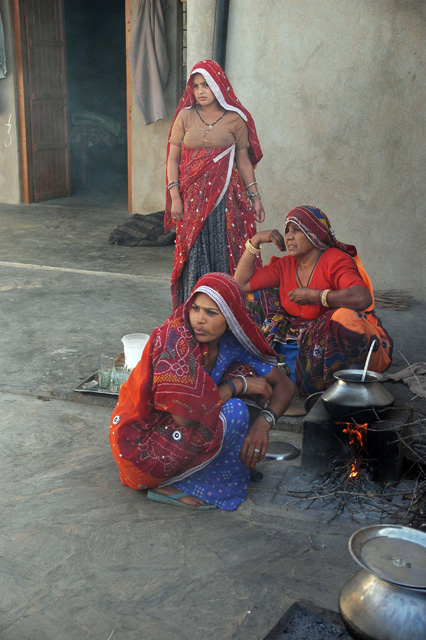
x,y
359,471
357,440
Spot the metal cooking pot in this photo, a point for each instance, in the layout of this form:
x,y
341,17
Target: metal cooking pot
x,y
373,609
386,600
350,398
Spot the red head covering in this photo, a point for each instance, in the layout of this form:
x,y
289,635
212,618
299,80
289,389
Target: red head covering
x,y
317,228
218,82
232,302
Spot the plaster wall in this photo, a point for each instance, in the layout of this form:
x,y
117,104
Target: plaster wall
x,y
337,89
9,144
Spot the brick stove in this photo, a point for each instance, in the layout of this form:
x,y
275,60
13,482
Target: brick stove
x,y
324,484
324,440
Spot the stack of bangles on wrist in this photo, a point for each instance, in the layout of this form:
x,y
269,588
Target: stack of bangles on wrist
x,y
248,245
173,183
232,385
322,297
252,194
272,416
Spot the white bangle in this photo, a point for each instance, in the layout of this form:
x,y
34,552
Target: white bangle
x,y
244,381
248,245
324,295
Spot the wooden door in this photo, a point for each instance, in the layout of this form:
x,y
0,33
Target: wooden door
x,y
43,101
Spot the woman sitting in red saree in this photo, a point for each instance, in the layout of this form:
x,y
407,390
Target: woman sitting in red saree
x,y
182,423
324,305
212,149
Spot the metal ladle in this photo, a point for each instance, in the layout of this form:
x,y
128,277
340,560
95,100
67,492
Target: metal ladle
x,y
364,373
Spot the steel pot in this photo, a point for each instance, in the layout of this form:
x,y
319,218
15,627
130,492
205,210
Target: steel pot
x,y
349,398
386,600
373,609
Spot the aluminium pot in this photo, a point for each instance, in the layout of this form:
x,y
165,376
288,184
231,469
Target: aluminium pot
x,y
350,399
374,609
386,600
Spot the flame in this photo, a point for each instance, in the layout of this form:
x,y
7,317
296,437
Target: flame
x,y
357,438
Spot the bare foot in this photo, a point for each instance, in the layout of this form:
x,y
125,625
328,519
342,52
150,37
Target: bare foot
x,y
170,491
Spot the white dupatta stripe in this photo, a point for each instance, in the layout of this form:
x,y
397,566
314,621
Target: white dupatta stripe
x,y
234,326
218,93
231,151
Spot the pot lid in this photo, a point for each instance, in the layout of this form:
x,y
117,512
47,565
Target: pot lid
x,y
393,553
278,450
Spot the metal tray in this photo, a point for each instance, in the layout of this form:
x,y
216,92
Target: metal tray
x,y
91,386
278,450
393,553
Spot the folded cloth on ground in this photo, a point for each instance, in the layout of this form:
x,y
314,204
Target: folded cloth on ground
x,y
414,376
143,231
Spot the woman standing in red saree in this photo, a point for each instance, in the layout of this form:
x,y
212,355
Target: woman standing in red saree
x,y
212,194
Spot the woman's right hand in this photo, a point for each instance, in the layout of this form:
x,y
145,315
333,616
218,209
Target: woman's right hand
x,y
176,209
265,237
258,386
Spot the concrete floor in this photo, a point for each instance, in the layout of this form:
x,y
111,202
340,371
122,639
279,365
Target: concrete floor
x,y
81,555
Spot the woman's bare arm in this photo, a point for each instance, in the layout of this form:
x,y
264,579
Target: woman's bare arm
x,y
257,436
357,297
176,209
246,266
246,171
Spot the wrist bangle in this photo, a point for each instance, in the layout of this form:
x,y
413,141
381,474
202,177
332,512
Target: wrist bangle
x,y
244,381
232,385
173,183
324,295
248,245
269,416
254,194
250,185
319,297
272,412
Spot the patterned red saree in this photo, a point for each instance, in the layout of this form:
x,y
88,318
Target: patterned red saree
x,y
207,176
148,445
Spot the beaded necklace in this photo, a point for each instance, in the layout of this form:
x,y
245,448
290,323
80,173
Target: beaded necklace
x,y
299,282
210,126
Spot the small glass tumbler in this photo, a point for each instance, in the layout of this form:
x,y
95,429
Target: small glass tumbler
x,y
104,379
104,373
119,375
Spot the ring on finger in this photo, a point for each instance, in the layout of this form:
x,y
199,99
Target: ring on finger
x,y
256,450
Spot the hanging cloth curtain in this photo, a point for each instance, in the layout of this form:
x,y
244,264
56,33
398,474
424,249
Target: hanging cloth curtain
x,y
149,62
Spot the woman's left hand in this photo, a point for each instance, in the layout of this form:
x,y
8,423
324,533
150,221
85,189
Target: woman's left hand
x,y
255,444
303,295
259,213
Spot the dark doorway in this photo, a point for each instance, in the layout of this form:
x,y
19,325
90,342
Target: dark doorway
x,y
96,63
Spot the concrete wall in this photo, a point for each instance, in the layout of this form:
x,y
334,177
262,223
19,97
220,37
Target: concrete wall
x,y
337,89
9,144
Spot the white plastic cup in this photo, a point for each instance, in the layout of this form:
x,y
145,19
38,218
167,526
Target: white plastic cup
x,y
134,344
